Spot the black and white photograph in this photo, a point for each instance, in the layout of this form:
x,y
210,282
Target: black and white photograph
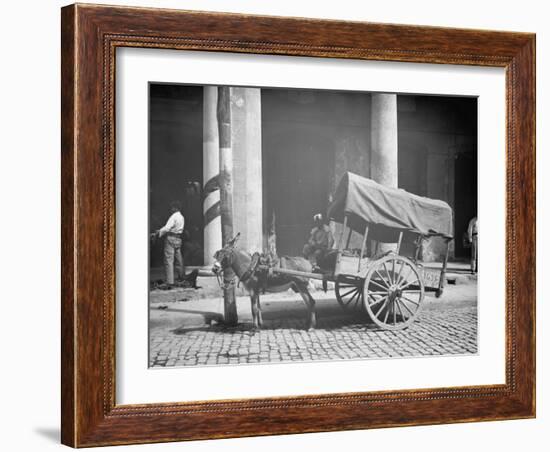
x,y
260,223
304,225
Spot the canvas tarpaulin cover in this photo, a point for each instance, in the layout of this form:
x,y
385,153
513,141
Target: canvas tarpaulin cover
x,y
366,201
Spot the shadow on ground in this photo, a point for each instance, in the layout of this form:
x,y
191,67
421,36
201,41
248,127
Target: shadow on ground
x,y
328,323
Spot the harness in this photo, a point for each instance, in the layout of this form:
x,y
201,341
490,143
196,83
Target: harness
x,y
252,268
224,285
261,266
230,246
222,282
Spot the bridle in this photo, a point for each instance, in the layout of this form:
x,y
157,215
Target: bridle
x,y
226,262
225,285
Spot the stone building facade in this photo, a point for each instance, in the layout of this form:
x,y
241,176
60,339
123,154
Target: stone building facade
x,y
290,149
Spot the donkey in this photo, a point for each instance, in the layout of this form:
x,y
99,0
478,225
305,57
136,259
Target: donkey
x,y
240,262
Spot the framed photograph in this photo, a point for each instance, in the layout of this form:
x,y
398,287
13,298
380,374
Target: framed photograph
x,y
282,225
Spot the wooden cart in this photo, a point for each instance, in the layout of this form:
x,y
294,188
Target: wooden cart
x,y
375,266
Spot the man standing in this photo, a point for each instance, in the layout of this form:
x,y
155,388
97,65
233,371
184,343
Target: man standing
x,y
173,230
320,240
472,238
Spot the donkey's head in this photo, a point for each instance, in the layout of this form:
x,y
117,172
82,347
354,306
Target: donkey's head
x,y
224,258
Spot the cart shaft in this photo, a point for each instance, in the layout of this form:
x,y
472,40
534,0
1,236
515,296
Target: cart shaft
x,y
319,276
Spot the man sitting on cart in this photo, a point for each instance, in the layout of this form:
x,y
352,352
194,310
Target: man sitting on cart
x,y
320,241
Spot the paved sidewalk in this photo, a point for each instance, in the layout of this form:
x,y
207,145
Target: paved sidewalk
x,y
189,333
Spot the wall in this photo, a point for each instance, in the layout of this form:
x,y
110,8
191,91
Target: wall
x,y
30,187
310,139
433,133
175,162
307,141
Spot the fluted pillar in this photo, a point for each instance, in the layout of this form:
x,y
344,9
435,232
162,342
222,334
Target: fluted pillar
x,y
211,167
246,138
384,163
384,139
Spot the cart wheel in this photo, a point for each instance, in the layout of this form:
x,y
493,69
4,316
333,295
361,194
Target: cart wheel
x,y
393,292
349,295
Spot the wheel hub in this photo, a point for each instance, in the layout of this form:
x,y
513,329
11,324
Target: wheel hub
x,y
394,292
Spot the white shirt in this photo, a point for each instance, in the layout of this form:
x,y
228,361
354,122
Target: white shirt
x,y
174,224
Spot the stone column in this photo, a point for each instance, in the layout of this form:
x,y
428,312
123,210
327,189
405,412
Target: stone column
x,y
384,139
210,171
384,167
246,140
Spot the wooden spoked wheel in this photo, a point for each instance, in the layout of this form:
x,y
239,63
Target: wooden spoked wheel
x,y
349,295
393,292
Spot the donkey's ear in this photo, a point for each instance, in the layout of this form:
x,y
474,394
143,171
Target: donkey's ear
x,y
234,240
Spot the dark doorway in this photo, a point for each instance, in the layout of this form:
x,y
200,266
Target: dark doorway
x,y
175,164
296,171
465,198
412,168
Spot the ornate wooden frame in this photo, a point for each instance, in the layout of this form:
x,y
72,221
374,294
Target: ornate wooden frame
x,y
90,35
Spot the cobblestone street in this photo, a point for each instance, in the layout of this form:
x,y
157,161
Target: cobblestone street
x,y
445,326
